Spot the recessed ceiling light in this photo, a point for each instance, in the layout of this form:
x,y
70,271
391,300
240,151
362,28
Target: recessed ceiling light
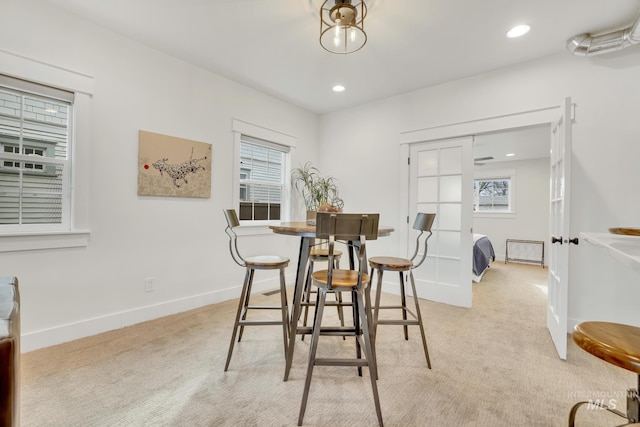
x,y
338,88
518,31
510,155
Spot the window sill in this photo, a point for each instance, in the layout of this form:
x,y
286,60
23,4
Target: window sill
x,y
501,215
43,240
248,228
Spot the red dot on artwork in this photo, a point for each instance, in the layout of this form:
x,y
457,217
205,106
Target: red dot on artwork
x,y
146,166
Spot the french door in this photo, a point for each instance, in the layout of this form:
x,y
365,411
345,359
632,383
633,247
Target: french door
x,y
559,222
446,275
439,177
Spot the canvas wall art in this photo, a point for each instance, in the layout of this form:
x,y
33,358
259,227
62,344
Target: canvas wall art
x,y
171,166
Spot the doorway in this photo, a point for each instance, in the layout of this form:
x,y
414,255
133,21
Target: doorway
x,y
442,133
511,191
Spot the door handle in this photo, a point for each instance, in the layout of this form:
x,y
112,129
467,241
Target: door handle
x,y
574,241
555,239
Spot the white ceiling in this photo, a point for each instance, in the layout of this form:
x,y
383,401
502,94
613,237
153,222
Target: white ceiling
x,y
272,45
525,144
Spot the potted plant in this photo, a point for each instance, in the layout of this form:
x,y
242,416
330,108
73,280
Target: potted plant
x,y
320,194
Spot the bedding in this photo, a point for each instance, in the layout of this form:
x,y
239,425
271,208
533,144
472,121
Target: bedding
x,y
483,254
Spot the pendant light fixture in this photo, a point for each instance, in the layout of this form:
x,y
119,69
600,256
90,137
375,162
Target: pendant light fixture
x,y
342,26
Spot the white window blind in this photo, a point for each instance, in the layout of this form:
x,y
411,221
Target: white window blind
x,y
262,179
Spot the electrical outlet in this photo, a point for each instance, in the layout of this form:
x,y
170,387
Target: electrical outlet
x,y
148,285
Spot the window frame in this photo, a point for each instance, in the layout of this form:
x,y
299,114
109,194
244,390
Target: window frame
x,y
76,233
498,174
240,128
40,94
251,183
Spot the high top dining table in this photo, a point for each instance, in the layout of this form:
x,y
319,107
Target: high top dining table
x,y
307,233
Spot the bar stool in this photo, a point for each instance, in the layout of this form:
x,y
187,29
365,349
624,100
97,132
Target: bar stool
x,y
380,264
320,254
253,263
352,228
616,344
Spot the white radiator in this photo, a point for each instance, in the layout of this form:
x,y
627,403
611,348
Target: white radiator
x,y
529,251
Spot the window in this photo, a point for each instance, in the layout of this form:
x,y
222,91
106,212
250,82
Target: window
x,y
261,173
262,179
26,150
492,195
35,123
493,192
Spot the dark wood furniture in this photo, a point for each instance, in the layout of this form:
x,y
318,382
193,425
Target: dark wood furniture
x,y
619,345
9,352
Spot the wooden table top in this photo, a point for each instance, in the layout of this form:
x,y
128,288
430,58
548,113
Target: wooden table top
x,y
303,229
612,342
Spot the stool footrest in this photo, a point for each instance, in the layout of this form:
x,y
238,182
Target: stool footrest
x,y
398,322
327,330
262,307
260,322
327,304
399,307
341,362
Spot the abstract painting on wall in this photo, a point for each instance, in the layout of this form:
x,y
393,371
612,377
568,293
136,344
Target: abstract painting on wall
x,y
170,166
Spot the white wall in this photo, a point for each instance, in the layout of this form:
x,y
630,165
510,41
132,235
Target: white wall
x,y
605,175
531,219
69,293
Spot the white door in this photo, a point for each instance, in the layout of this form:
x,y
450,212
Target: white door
x,y
440,174
557,305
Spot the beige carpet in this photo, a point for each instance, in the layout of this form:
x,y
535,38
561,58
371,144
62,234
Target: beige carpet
x,y
493,365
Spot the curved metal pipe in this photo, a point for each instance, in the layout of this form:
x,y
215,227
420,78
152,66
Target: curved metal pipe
x,y
587,45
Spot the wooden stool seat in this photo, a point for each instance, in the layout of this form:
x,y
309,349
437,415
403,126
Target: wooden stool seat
x,y
612,342
342,280
390,263
323,254
266,261
619,345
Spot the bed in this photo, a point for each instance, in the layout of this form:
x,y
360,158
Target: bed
x,y
483,254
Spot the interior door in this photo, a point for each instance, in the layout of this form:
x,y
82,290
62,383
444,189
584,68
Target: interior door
x,y
439,174
559,222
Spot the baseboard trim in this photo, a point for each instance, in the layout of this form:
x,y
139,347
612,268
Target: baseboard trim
x,y
87,327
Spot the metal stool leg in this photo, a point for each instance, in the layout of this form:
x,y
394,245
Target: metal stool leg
x,y
247,295
315,336
368,349
306,296
357,327
241,305
370,325
285,312
419,316
403,299
377,308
